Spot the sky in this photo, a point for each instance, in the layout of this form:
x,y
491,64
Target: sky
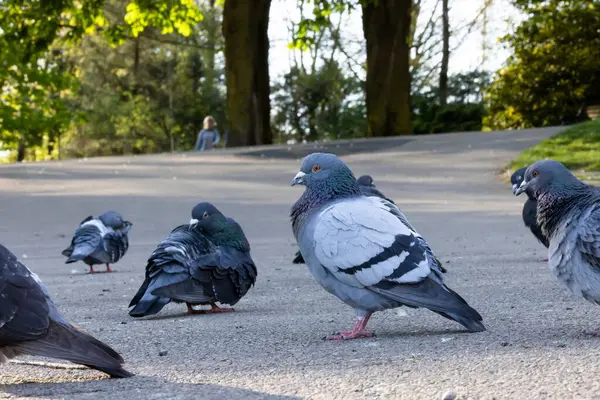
x,y
467,56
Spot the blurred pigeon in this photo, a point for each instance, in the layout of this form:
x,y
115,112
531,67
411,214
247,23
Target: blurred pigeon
x,y
367,188
205,262
364,251
101,240
530,207
30,324
568,213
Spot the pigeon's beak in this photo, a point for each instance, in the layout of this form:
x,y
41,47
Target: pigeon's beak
x,y
193,223
298,179
515,187
521,188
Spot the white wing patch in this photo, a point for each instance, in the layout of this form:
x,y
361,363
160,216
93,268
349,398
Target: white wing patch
x,y
98,224
349,233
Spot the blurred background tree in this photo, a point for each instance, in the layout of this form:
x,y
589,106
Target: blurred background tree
x,y
554,71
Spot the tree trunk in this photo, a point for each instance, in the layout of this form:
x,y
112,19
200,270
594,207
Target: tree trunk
x,y
386,26
211,25
21,148
245,29
445,54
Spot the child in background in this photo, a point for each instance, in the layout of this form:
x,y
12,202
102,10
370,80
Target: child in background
x,y
208,136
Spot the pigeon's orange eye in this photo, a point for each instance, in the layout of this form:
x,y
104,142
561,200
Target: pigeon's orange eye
x,y
535,173
316,168
205,215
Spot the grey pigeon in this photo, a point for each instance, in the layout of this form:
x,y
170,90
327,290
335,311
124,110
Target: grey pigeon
x,y
205,262
101,240
568,213
31,324
363,250
529,208
367,188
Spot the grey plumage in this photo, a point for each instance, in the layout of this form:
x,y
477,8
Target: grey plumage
x,y
364,251
102,240
367,188
31,324
568,213
205,262
529,208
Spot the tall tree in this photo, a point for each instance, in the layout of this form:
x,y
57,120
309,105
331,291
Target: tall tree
x,y
445,54
245,29
386,26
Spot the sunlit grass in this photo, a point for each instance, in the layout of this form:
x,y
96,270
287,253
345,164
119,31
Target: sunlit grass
x,y
578,148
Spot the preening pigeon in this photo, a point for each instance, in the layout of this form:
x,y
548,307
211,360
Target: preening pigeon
x,y
530,207
367,188
101,240
568,213
363,250
205,262
30,324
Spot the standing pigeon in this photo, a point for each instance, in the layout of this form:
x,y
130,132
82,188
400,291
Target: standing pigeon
x,y
364,251
30,324
530,207
205,262
568,213
101,240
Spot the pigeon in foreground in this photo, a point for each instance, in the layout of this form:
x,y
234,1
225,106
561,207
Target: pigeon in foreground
x,y
530,207
30,324
367,188
568,212
363,250
101,240
205,262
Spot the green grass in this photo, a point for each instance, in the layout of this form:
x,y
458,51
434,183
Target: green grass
x,y
578,148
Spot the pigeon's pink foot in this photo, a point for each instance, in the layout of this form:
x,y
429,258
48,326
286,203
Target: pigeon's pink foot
x,y
91,271
358,330
213,310
108,269
544,259
347,335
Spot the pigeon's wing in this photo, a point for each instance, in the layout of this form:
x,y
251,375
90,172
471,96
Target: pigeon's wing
x,y
434,263
29,323
23,307
588,242
87,239
362,243
170,264
115,244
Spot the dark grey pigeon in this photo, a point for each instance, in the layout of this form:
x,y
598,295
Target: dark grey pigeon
x,y
363,250
205,262
568,213
367,188
529,208
31,324
101,240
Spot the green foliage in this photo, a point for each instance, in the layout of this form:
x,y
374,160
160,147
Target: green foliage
x,y
554,69
324,104
55,87
578,147
465,108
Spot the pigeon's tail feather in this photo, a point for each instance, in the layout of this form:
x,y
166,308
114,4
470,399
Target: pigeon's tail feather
x,y
68,343
189,291
149,305
68,251
434,296
298,259
80,252
146,302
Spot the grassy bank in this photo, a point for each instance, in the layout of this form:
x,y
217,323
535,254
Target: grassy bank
x,y
578,147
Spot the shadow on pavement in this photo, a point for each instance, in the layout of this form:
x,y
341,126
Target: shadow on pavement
x,y
152,387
